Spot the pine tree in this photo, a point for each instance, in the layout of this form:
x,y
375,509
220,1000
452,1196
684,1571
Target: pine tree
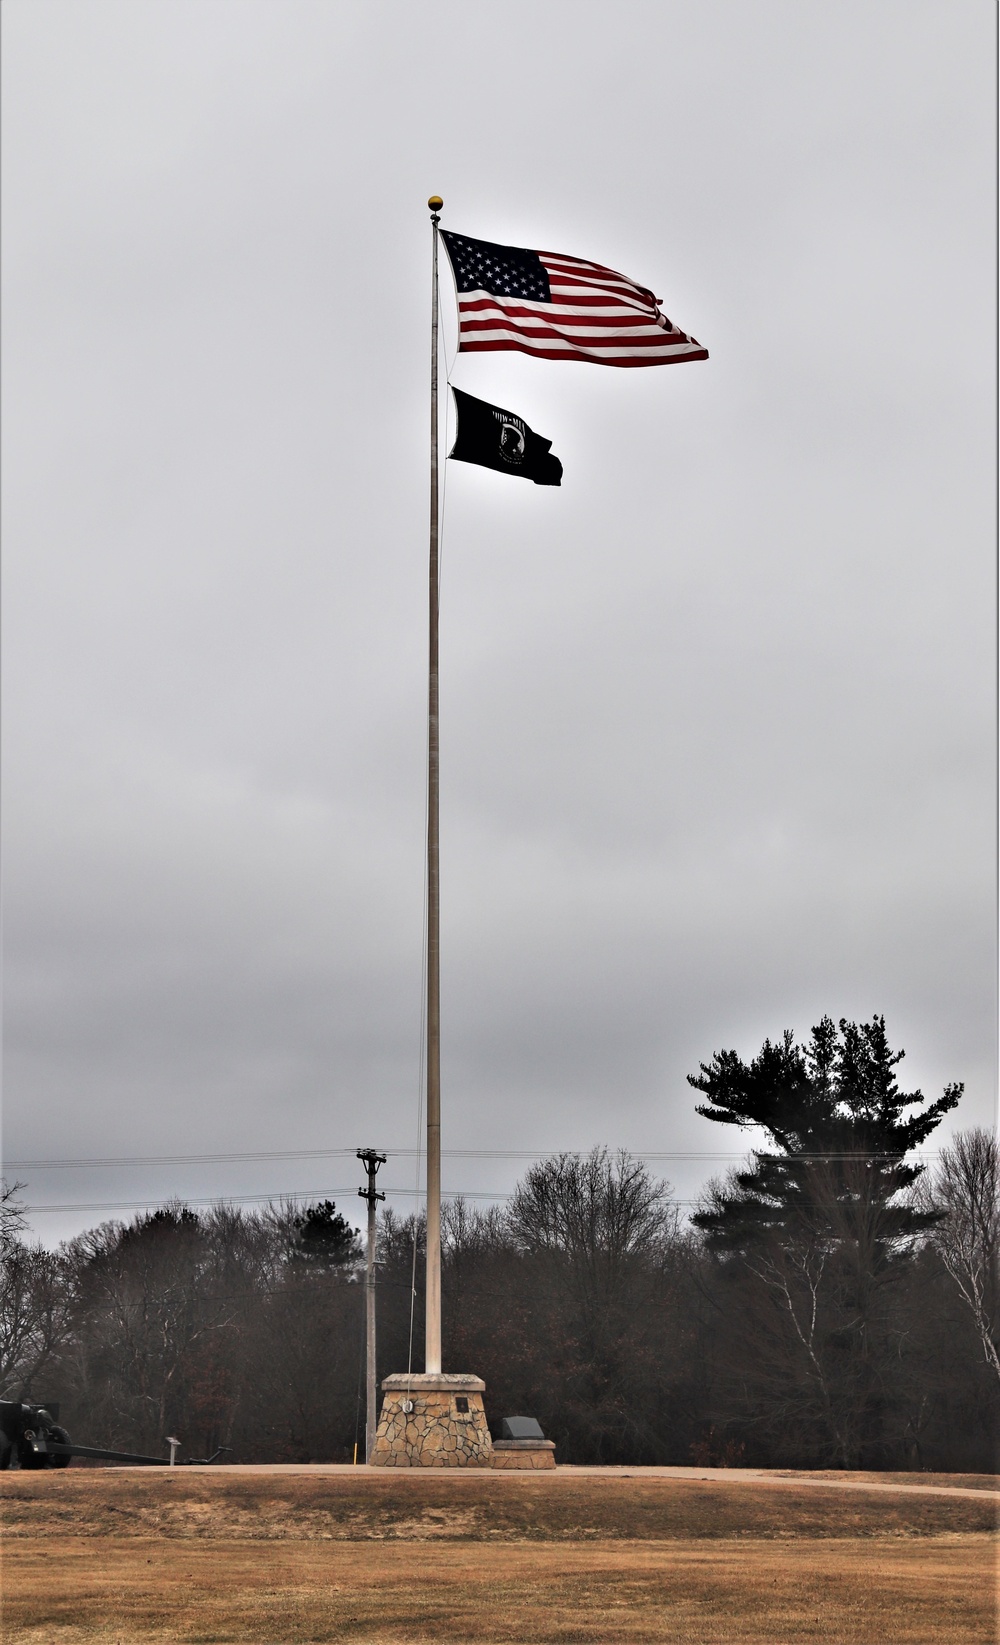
x,y
835,1111
812,1235
325,1238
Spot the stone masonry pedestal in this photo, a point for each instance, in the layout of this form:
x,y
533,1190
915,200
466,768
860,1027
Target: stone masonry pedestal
x,y
524,1453
445,1426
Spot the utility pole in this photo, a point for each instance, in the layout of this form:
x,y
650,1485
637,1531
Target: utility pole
x,y
371,1161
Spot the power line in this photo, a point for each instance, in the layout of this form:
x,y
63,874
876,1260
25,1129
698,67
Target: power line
x,y
274,1199
342,1153
304,1154
254,1199
181,1159
395,1153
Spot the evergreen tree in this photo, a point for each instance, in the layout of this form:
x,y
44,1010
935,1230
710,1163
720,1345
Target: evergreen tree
x,y
835,1111
814,1235
325,1239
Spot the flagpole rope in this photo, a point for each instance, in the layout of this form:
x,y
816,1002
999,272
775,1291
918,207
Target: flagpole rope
x,y
421,1073
444,490
420,1106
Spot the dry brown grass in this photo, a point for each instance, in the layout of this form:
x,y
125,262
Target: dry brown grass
x,y
704,1593
478,1506
117,1558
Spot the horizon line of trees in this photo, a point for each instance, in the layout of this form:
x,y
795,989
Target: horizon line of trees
x,y
830,1303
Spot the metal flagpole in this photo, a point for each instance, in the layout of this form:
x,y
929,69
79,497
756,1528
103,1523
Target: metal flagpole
x,y
432,1339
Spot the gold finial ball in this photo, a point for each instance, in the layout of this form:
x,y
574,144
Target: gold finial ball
x,y
435,202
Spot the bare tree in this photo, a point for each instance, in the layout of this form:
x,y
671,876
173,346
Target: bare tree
x,y
146,1300
603,1212
13,1217
965,1192
591,1288
33,1300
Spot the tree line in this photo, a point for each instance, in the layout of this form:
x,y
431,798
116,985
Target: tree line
x,y
828,1304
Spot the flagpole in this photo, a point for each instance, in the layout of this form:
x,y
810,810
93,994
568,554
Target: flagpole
x,y
432,1340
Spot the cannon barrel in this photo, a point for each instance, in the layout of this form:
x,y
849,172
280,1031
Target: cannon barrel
x,y
32,1433
52,1448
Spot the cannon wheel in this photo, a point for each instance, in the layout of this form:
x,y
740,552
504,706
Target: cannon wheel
x,y
61,1437
27,1456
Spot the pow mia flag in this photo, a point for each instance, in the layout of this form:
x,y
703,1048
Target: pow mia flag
x,y
501,440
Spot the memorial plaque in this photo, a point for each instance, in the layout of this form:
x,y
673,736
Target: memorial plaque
x,y
520,1428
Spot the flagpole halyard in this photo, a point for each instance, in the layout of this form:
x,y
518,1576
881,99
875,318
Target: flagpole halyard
x,y
432,1338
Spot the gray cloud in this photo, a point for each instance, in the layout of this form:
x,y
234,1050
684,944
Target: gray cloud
x,y
717,716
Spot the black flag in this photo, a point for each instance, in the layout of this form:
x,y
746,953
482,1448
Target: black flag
x,y
499,439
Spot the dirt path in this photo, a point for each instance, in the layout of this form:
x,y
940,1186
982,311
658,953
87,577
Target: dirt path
x,y
940,1485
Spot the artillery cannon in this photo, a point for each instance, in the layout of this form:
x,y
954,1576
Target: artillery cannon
x,y
33,1434
27,1431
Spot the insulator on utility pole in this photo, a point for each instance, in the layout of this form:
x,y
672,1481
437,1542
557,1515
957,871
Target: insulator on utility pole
x,y
371,1161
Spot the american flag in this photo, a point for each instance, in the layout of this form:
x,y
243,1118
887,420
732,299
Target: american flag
x,y
559,308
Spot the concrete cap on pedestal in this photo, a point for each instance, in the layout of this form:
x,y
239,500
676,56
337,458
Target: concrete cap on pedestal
x,y
441,1382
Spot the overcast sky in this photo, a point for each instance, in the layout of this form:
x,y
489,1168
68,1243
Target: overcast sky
x,y
717,715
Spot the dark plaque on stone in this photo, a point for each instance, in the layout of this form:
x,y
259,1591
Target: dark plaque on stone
x,y
520,1428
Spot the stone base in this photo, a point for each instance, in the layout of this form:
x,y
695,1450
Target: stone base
x,y
446,1427
524,1453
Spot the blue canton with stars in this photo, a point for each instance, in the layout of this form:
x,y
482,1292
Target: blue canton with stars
x,y
504,271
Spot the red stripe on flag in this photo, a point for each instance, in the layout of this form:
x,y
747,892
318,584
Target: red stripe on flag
x,y
585,340
582,355
486,312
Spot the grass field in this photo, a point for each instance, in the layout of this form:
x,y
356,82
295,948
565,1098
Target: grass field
x,y
119,1557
